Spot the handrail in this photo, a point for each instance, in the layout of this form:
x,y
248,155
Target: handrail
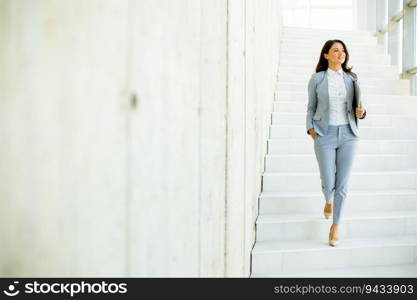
x,y
411,71
412,3
396,18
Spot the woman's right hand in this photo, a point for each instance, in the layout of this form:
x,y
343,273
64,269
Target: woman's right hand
x,y
313,133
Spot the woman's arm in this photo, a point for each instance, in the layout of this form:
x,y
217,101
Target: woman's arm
x,y
312,103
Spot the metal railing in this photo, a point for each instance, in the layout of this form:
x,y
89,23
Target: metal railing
x,y
395,19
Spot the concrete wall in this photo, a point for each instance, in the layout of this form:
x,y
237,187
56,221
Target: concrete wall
x,y
63,124
253,52
93,185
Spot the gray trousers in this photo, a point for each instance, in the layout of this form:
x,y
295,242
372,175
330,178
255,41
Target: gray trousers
x,y
335,153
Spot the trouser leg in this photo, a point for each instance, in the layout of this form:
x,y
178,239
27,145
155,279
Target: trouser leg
x,y
345,154
326,158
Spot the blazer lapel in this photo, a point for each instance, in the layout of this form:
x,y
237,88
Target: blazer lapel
x,y
325,89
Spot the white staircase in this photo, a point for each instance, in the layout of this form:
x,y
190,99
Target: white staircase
x,y
378,233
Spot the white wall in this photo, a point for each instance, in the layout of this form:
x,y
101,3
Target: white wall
x,y
63,134
94,187
253,52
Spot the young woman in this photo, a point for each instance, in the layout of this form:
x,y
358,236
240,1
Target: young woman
x,y
332,123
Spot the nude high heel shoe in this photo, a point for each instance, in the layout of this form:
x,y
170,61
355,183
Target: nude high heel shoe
x,y
334,235
328,209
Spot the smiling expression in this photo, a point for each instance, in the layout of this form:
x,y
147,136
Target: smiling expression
x,y
336,54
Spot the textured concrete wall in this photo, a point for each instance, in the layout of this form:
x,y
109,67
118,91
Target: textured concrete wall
x,y
95,186
63,129
254,35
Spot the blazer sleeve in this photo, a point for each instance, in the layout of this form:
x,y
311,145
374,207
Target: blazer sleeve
x,y
312,102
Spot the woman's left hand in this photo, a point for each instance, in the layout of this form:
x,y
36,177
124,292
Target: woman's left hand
x,y
360,110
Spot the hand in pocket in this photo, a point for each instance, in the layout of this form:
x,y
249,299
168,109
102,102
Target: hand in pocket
x,y
313,133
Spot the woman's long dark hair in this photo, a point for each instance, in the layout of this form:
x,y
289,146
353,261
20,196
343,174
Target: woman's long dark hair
x,y
323,64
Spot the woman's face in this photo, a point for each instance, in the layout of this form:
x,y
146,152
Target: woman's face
x,y
336,54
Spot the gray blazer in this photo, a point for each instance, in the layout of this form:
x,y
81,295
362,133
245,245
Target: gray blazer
x,y
318,102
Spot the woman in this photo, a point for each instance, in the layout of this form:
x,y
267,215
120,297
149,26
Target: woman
x,y
332,123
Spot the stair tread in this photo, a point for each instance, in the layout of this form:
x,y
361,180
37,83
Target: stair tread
x,y
365,80
309,67
373,115
353,193
313,155
304,93
309,29
391,271
303,127
347,243
362,139
283,218
315,173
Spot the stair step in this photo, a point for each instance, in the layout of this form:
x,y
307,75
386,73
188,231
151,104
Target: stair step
x,y
374,132
314,46
308,162
399,100
302,84
367,80
280,227
274,257
366,146
355,48
296,30
321,39
364,81
376,70
390,271
296,74
346,35
308,58
310,181
372,108
311,62
390,120
389,87
358,201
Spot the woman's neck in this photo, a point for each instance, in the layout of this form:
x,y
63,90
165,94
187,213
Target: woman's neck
x,y
335,67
